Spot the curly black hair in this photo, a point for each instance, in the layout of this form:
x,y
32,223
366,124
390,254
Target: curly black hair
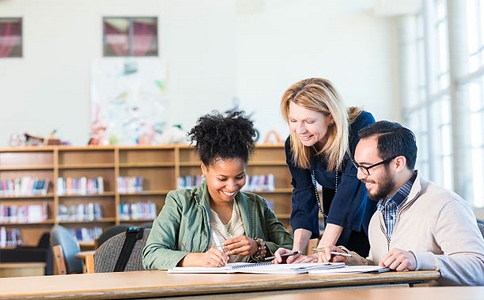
x,y
218,136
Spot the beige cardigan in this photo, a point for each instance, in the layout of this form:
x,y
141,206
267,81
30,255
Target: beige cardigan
x,y
440,228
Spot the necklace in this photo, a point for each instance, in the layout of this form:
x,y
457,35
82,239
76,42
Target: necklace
x,y
316,192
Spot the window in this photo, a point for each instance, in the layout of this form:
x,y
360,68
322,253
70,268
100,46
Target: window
x,y
10,37
125,36
445,105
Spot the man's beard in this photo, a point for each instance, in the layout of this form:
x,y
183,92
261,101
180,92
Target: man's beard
x,y
383,189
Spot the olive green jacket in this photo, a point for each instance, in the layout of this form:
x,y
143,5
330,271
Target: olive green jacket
x,y
183,226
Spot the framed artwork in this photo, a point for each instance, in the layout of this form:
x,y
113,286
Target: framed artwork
x,y
10,37
128,36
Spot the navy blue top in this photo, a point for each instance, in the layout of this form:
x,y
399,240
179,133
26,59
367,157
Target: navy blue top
x,y
349,207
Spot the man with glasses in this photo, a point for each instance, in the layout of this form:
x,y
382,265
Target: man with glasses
x,y
418,225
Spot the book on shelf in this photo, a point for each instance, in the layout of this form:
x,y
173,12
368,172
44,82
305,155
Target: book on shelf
x,y
261,268
25,186
85,234
260,182
10,237
31,213
80,212
137,210
80,186
40,187
129,184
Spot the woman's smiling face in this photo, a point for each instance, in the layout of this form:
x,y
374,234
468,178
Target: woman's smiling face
x,y
311,127
225,178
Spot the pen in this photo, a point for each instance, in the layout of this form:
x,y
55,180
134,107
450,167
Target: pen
x,y
332,252
284,256
217,242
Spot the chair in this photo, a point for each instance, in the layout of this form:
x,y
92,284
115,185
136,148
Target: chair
x,y
64,249
42,252
109,233
146,225
107,254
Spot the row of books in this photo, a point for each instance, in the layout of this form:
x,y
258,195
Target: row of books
x,y
10,237
137,210
86,234
189,181
264,182
80,186
79,212
31,213
130,184
24,186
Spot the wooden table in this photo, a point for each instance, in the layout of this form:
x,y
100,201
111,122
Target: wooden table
x,y
145,284
22,269
378,293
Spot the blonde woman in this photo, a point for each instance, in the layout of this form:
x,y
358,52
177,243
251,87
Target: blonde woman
x,y
323,136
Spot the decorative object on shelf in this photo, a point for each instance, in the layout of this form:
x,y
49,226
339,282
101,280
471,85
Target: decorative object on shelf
x,y
173,135
272,137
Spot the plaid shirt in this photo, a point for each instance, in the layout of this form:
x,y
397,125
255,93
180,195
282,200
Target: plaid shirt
x,y
390,206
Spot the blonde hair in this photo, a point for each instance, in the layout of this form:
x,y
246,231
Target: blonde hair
x,y
318,94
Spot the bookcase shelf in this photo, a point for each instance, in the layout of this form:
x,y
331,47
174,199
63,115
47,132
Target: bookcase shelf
x,y
160,168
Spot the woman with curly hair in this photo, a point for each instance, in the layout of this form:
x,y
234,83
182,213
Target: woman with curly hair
x,y
216,222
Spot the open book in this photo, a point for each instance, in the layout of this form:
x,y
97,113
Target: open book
x,y
349,270
263,268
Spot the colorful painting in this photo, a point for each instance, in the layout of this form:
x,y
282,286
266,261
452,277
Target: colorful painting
x,y
127,101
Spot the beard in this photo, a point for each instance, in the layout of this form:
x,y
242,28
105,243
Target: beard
x,y
383,189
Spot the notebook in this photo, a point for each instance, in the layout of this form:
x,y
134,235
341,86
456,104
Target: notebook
x,y
349,270
261,268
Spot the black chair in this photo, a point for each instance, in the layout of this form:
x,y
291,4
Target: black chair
x,y
146,225
110,232
42,252
106,256
64,248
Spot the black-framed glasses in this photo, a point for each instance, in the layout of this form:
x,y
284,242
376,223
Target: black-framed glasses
x,y
366,170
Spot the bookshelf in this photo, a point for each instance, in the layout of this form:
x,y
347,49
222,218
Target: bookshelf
x,y
105,201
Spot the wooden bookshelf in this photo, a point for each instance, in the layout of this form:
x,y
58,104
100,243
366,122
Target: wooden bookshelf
x,y
158,166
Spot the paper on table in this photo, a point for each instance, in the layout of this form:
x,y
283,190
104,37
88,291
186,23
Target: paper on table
x,y
263,268
349,270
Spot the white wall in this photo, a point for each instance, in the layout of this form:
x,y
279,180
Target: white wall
x,y
279,45
214,49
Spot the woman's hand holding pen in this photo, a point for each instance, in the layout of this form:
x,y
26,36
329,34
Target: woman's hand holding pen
x,y
213,258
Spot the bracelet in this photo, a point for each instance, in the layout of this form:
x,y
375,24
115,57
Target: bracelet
x,y
261,252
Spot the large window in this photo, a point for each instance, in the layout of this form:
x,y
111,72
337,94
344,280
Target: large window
x,y
10,37
124,36
445,106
